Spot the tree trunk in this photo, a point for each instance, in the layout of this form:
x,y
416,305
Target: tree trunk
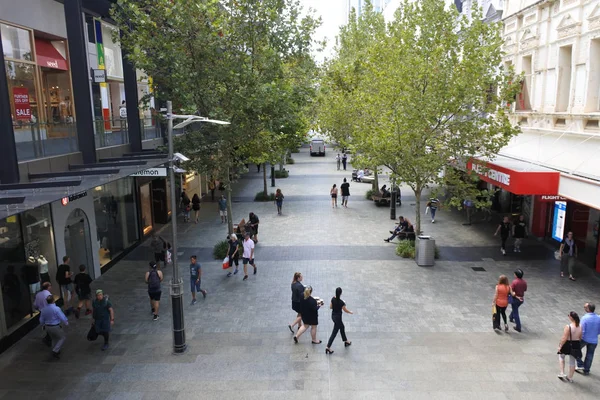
x,y
265,179
418,211
375,184
283,161
229,210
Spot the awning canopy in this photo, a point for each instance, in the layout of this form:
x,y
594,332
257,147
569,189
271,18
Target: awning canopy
x,y
515,176
48,56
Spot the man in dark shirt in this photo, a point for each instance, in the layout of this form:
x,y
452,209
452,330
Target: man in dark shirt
x,y
504,229
83,290
254,221
63,277
568,254
400,230
519,286
345,193
519,232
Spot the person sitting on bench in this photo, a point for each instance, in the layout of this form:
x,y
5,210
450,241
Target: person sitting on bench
x,y
384,192
360,175
400,230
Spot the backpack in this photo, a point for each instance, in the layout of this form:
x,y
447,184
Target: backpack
x,y
153,282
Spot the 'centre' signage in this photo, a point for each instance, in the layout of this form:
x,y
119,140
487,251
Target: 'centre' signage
x,y
150,172
493,174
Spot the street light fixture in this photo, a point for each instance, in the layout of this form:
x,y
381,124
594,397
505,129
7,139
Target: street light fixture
x,y
179,345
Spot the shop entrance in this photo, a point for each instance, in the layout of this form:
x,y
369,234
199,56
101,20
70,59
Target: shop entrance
x,y
78,244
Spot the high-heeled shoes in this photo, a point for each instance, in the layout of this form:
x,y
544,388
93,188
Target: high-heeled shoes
x,y
327,351
346,344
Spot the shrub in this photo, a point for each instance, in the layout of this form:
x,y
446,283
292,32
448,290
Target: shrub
x,y
260,196
290,160
282,174
406,249
369,194
220,250
297,150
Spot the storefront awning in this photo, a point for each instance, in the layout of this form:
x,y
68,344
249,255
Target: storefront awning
x,y
48,56
515,176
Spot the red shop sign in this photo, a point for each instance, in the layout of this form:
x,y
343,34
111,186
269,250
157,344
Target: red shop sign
x,y
21,100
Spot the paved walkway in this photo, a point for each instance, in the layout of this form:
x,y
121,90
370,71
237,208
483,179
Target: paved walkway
x,y
417,333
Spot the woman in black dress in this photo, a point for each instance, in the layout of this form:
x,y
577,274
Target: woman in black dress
x,y
337,305
297,296
196,206
309,309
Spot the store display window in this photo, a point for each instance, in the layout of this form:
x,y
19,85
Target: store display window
x,y
146,204
116,221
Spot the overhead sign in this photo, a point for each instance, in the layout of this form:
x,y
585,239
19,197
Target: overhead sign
x,y
152,172
66,200
546,198
99,75
22,106
558,223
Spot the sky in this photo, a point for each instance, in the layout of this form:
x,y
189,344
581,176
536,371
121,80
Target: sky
x,y
333,14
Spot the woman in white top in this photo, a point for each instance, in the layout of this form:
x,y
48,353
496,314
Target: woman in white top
x,y
569,345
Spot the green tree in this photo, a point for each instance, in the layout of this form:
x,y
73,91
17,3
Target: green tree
x,y
431,93
224,60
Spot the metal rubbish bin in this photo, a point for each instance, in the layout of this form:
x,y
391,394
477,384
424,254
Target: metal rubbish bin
x,y
425,251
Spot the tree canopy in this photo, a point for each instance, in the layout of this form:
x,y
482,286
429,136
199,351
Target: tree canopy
x,y
420,93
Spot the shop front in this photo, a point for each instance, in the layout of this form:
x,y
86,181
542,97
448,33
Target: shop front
x,y
40,94
154,202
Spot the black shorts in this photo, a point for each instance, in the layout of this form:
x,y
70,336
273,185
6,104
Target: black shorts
x,y
296,306
159,256
233,260
154,295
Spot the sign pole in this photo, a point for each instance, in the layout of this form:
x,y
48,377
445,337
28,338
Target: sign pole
x,y
179,345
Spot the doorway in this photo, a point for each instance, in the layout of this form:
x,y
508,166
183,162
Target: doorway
x,y
78,243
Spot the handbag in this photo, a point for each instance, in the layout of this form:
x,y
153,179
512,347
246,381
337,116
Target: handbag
x,y
575,347
92,334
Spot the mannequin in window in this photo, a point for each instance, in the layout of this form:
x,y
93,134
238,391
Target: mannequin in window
x,y
32,277
43,263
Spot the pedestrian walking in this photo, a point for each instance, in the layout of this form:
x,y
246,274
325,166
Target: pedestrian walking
x,y
248,256
569,345
279,200
40,303
297,297
104,316
432,206
223,209
153,278
590,329
185,204
257,168
338,160
64,279
333,192
233,253
501,294
468,205
158,246
51,318
518,287
568,254
504,230
195,278
309,309
212,185
519,232
344,160
254,221
84,291
196,206
345,193
337,305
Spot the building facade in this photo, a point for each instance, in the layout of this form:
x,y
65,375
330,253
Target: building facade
x,y
77,123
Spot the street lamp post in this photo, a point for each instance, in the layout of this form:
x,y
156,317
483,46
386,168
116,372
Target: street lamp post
x,y
179,345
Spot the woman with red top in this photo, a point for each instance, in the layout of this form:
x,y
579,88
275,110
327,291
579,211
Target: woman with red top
x,y
503,289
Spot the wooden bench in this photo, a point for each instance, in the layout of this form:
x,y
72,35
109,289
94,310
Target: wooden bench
x,y
379,200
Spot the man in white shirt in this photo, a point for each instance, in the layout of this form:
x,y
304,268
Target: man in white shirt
x,y
360,175
248,256
40,303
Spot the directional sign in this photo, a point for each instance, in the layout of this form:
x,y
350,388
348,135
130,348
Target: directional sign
x,y
152,172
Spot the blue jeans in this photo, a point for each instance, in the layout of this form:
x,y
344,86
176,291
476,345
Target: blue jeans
x,y
433,210
514,314
590,348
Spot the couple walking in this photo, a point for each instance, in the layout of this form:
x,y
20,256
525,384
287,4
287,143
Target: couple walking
x,y
307,309
345,194
506,294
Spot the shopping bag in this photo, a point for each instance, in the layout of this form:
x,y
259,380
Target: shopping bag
x,y
226,262
92,334
427,210
495,318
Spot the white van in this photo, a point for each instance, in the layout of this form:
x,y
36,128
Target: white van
x,y
317,147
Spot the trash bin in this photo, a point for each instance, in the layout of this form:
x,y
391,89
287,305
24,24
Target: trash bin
x,y
425,251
